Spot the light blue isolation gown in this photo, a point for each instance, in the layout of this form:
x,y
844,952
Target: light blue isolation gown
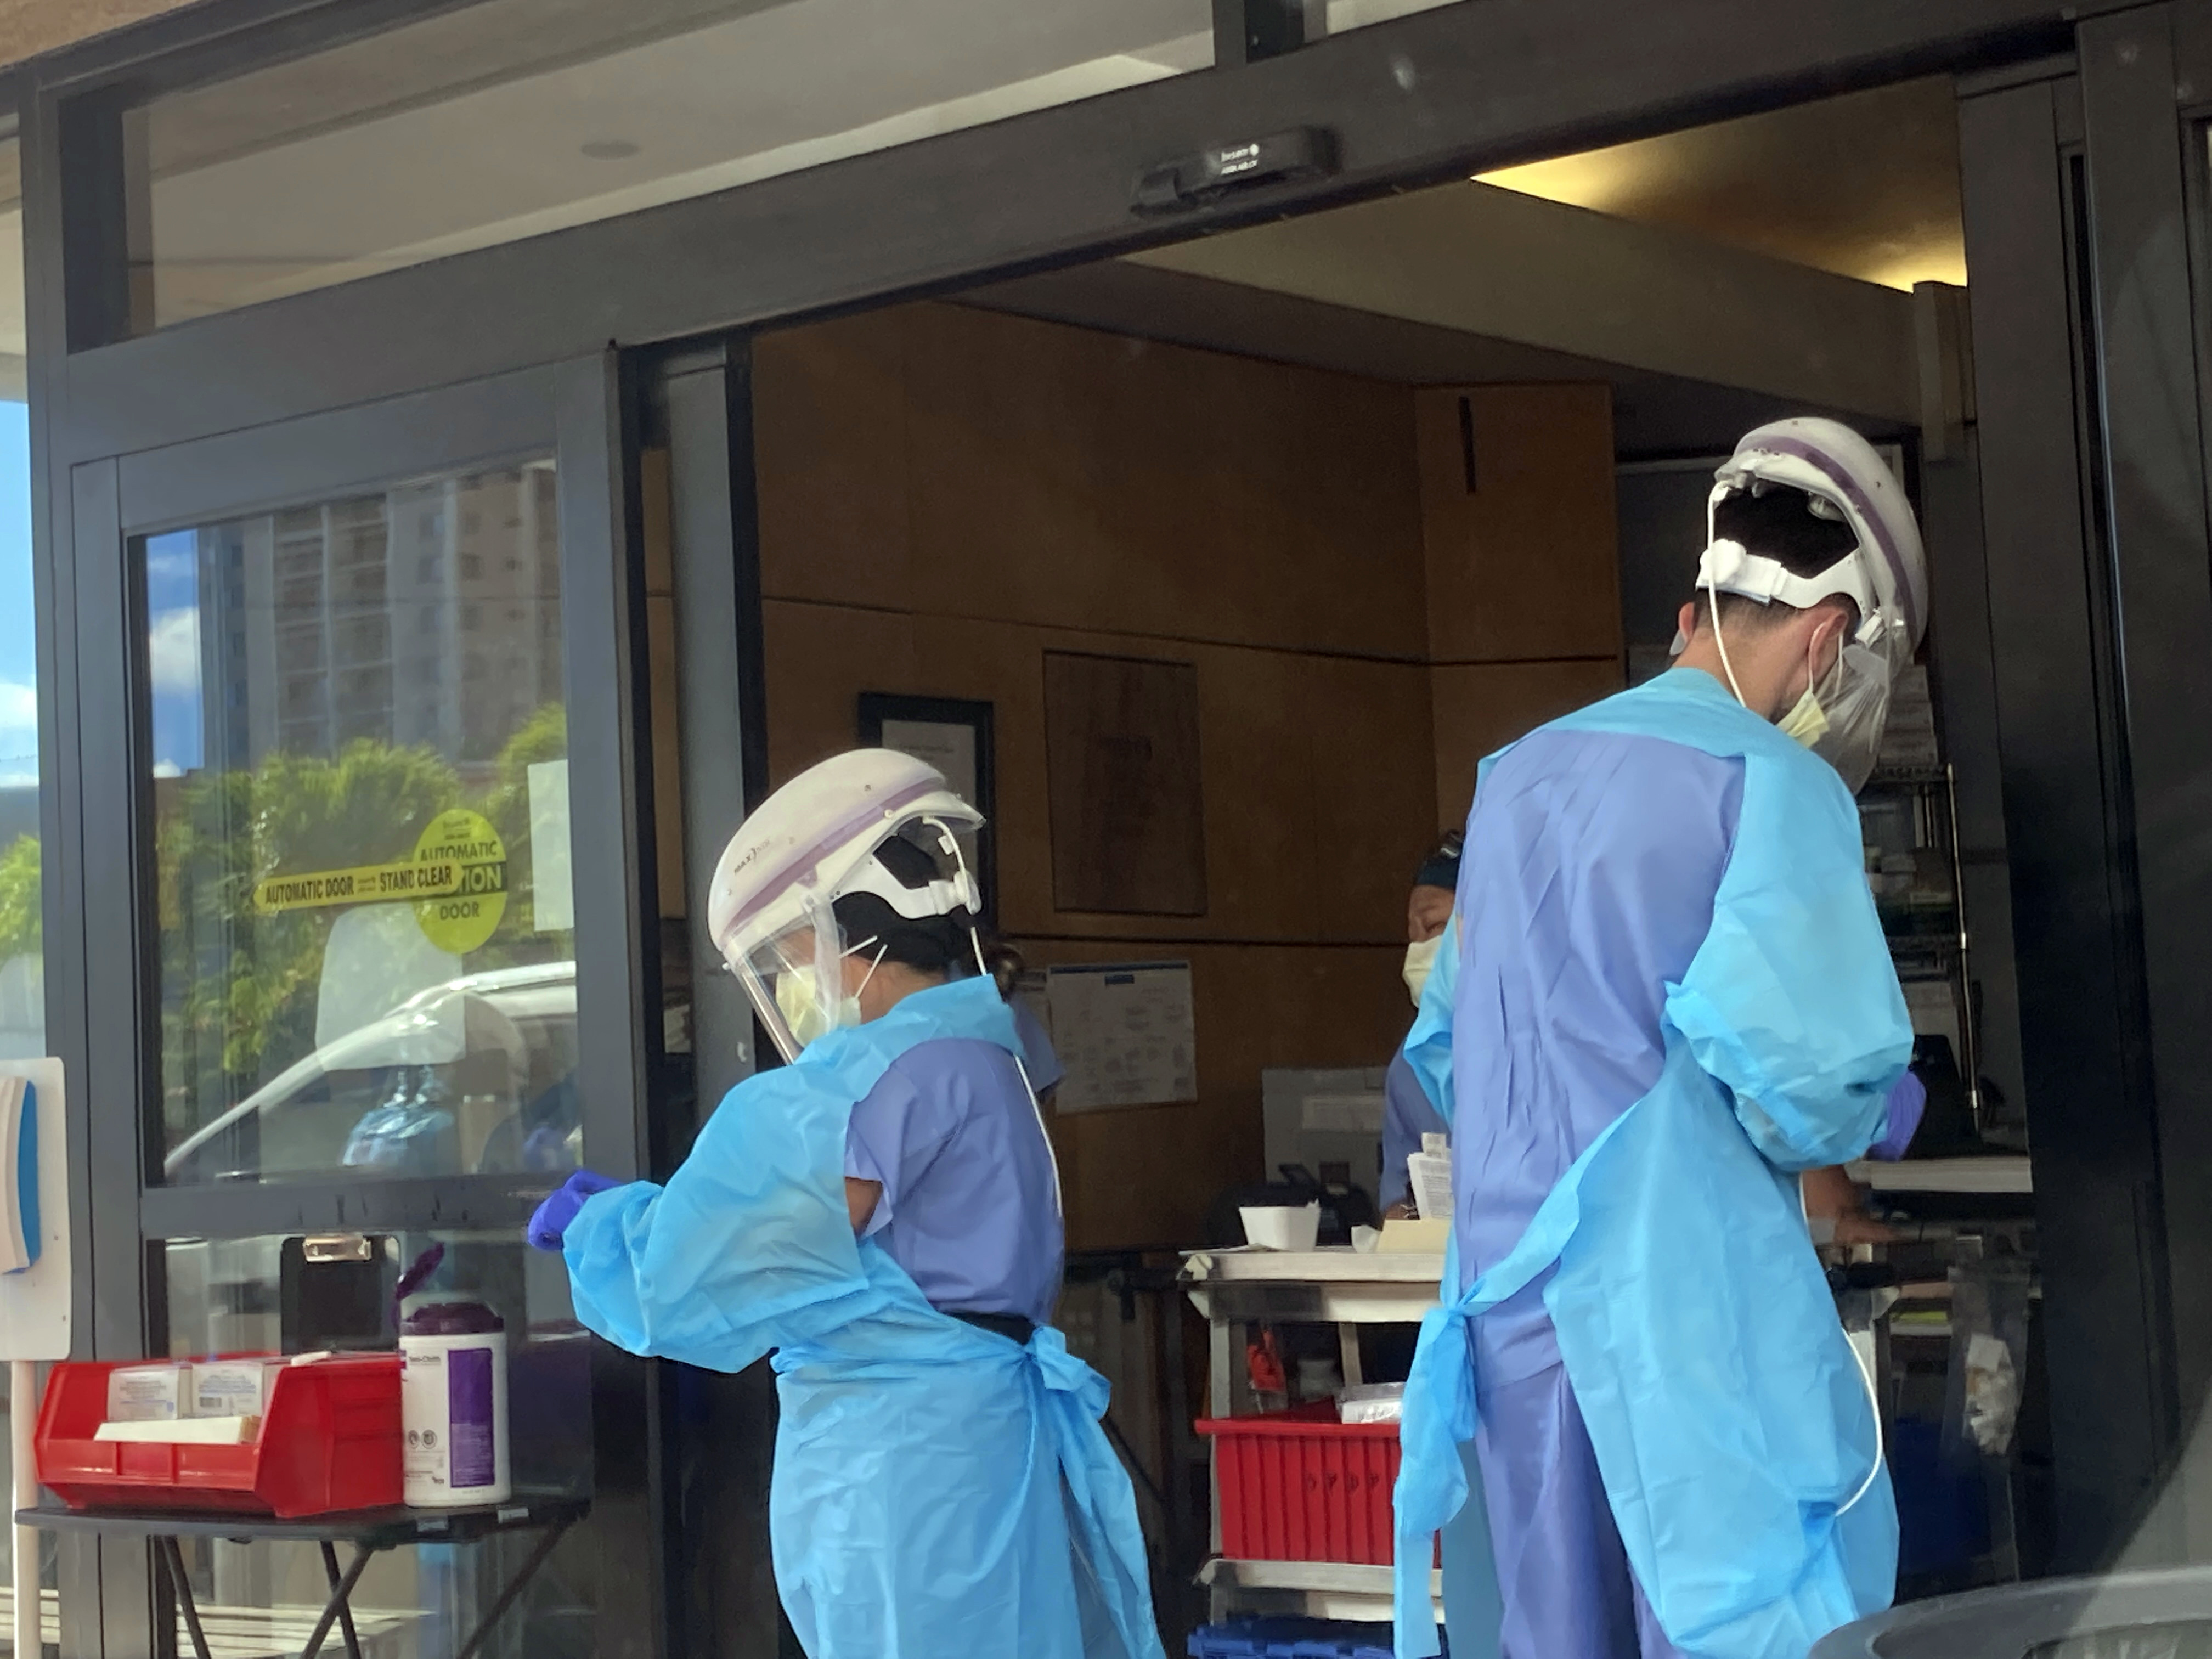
x,y
1673,995
938,1489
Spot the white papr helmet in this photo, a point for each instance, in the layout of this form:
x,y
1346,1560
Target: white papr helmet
x,y
770,910
1886,575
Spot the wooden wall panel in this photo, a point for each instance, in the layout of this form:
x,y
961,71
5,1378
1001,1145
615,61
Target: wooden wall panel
x,y
820,658
1066,476
28,27
1363,814
829,441
1524,566
1482,707
1146,1176
948,495
1319,773
1129,805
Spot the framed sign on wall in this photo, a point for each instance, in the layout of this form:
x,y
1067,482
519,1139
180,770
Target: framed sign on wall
x,y
954,736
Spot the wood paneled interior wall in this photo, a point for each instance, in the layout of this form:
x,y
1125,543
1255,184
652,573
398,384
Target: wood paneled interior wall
x,y
28,27
947,494
1518,526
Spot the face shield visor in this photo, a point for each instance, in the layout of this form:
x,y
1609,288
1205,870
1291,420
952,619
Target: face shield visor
x,y
1850,704
1846,707
798,981
806,970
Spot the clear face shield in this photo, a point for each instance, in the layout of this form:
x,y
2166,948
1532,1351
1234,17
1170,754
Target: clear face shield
x,y
1850,702
805,982
1844,707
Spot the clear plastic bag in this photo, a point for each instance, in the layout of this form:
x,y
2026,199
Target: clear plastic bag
x,y
1988,1354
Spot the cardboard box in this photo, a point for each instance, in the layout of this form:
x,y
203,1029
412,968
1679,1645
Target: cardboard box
x,y
157,1393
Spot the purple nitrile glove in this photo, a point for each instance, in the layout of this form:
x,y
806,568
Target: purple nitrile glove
x,y
553,1215
1907,1100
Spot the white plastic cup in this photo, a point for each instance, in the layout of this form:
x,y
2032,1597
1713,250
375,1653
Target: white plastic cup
x,y
1282,1227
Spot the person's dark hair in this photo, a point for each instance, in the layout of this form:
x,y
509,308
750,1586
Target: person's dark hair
x,y
945,944
1441,867
1778,524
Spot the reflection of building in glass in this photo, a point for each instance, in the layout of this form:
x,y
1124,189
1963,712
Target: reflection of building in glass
x,y
427,615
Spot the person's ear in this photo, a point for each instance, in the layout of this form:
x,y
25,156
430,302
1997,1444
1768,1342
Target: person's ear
x,y
1687,621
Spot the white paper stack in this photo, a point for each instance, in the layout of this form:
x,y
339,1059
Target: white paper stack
x,y
1430,1171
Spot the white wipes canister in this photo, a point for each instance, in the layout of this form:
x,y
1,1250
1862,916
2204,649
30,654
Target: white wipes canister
x,y
453,1406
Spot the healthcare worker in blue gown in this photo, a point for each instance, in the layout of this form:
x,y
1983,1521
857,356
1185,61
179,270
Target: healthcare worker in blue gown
x,y
1672,996
1410,1109
883,1214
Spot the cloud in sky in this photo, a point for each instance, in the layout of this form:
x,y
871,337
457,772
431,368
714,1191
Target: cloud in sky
x,y
173,650
19,725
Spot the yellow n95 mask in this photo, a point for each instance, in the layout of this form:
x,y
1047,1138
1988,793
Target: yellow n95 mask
x,y
1807,721
804,1009
1420,960
808,1014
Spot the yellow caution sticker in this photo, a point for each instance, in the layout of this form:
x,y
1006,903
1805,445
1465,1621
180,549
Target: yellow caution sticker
x,y
460,915
368,884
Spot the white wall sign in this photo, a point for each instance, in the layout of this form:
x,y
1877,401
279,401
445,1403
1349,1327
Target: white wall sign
x,y
1126,1033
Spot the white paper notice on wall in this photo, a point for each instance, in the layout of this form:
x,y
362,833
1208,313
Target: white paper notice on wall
x,y
34,1300
552,891
1126,1033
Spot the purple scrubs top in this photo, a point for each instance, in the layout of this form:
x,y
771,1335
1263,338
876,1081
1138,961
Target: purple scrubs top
x,y
1407,1114
970,1207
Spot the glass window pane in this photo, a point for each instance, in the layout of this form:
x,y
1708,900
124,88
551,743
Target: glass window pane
x,y
262,1295
511,117
360,790
22,963
22,976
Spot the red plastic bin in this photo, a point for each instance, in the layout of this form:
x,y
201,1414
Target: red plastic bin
x,y
1298,1486
329,1441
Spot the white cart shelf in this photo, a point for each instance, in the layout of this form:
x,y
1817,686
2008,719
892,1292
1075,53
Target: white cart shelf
x,y
1308,1590
1235,1289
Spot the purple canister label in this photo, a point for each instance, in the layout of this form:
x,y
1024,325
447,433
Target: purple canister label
x,y
469,1444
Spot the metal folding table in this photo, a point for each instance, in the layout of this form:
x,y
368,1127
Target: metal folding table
x,y
370,1531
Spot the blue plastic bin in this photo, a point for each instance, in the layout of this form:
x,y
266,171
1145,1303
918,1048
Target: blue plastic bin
x,y
1290,1638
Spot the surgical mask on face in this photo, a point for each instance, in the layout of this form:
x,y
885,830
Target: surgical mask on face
x,y
798,999
1857,710
1807,721
1420,962
803,1011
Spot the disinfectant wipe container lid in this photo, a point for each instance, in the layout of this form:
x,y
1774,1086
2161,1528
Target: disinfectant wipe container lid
x,y
452,1319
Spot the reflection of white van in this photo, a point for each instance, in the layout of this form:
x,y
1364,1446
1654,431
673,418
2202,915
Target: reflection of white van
x,y
503,1044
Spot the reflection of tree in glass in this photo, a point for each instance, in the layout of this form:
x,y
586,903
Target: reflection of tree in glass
x,y
239,988
22,922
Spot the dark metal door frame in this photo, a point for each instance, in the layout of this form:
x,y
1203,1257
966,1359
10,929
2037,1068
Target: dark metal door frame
x,y
2081,227
1422,99
574,412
